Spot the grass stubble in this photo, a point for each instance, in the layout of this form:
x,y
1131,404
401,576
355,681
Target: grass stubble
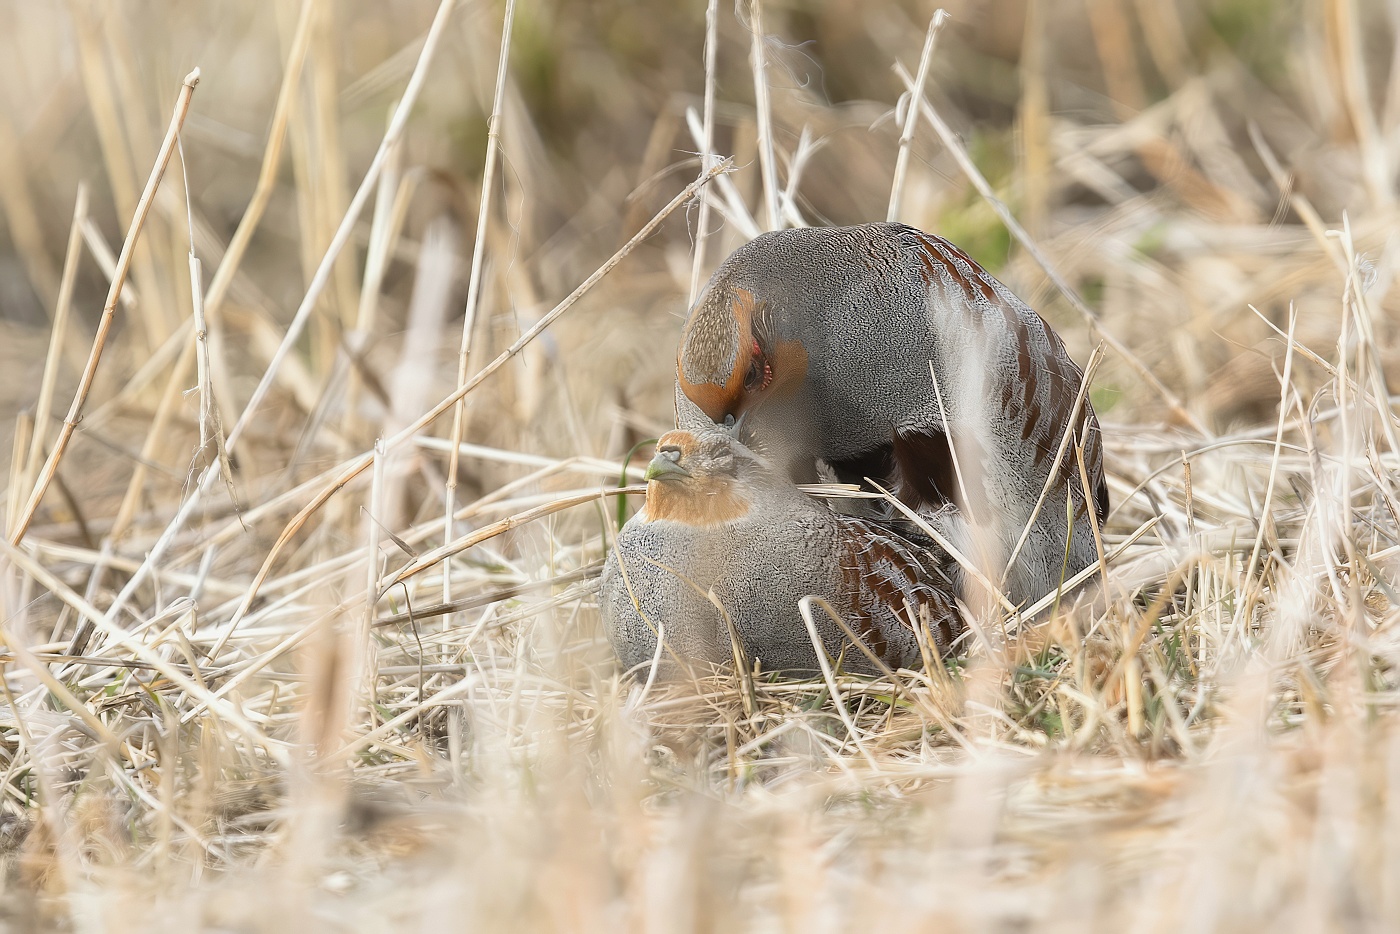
x,y
340,665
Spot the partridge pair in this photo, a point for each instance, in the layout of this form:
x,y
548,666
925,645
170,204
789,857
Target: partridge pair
x,y
887,354
881,355
726,534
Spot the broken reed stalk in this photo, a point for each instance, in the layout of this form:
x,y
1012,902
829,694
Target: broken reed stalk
x,y
483,219
75,412
357,466
979,181
211,428
911,116
733,207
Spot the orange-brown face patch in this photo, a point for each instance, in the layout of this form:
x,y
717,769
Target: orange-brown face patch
x,y
715,401
786,368
723,394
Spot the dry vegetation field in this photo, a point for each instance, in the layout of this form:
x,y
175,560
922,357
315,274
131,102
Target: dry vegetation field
x,y
253,678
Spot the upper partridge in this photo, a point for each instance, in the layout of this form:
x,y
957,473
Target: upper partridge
x,y
826,343
719,519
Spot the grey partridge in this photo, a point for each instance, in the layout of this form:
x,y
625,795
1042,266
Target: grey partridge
x,y
826,343
720,520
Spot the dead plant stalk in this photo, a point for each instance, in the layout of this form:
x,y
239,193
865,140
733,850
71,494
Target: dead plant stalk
x,y
109,308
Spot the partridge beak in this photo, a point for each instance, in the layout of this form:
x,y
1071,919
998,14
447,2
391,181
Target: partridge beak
x,y
666,466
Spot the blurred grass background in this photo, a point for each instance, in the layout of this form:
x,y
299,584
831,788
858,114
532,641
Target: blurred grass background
x,y
1209,746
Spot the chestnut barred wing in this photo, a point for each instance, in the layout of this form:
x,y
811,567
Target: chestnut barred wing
x,y
885,573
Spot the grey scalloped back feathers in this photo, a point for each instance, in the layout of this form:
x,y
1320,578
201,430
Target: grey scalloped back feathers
x,y
721,520
838,343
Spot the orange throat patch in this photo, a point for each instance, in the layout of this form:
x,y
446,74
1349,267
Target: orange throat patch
x,y
692,502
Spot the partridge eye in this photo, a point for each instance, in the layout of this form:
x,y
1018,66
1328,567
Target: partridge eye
x,y
729,420
760,374
670,452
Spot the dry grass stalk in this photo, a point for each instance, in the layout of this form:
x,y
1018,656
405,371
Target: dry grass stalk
x,y
49,382
767,161
121,172
911,116
266,184
1033,120
109,309
1066,438
483,220
707,146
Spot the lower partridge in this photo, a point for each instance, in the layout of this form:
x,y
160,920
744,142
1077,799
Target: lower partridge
x,y
719,519
826,344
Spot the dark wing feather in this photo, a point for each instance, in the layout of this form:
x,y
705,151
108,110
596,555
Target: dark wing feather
x,y
885,574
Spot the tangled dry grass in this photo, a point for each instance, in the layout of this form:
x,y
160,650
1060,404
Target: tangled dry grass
x,y
255,680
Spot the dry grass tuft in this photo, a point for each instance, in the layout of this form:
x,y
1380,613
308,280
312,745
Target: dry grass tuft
x,y
277,653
